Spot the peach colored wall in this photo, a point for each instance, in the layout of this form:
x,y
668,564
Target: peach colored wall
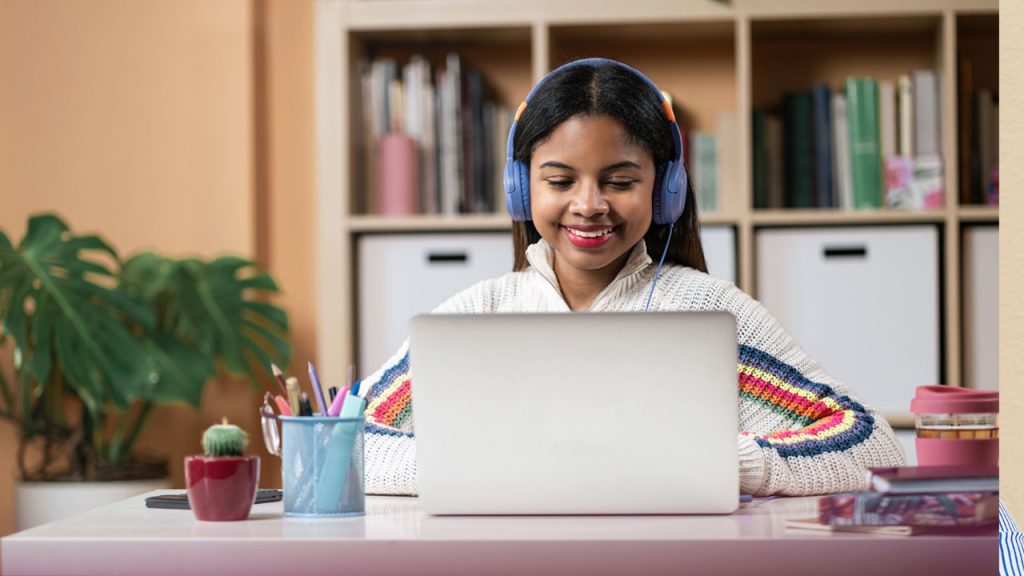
x,y
135,120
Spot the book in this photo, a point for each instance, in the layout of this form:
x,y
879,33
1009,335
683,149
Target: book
x,y
814,526
924,479
953,509
865,145
824,187
759,157
965,90
775,163
726,131
841,153
905,113
705,170
927,129
988,142
799,149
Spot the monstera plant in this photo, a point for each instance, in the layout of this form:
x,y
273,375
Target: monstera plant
x,y
97,342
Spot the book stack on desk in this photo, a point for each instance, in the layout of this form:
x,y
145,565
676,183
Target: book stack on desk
x,y
914,499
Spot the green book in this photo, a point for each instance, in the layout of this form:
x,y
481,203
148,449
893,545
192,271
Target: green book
x,y
865,142
705,148
798,144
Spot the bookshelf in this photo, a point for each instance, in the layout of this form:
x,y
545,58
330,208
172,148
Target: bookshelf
x,y
712,57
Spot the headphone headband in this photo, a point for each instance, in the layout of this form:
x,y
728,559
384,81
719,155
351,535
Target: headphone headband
x,y
669,198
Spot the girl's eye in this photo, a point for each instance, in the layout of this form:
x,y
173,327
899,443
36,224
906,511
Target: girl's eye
x,y
559,184
621,184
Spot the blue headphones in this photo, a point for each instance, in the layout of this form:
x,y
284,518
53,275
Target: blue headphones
x,y
670,184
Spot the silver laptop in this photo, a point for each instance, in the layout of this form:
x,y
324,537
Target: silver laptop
x,y
583,413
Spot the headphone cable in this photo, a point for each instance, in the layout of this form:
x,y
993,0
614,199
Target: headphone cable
x,y
657,274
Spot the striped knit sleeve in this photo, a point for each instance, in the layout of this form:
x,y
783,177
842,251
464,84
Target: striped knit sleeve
x,y
804,436
390,446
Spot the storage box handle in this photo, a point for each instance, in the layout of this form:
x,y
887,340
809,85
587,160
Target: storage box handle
x,y
445,257
846,252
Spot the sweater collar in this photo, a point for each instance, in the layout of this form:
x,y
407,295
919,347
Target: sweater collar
x,y
541,257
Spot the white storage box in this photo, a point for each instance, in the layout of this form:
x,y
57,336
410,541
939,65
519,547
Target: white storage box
x,y
719,244
863,302
981,307
401,275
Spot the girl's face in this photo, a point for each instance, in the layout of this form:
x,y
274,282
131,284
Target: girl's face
x,y
590,195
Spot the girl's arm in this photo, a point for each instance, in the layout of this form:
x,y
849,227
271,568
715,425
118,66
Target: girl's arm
x,y
390,445
803,432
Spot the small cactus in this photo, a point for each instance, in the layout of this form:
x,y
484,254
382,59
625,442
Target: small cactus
x,y
223,440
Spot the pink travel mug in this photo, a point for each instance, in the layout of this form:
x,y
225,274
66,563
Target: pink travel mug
x,y
956,426
397,175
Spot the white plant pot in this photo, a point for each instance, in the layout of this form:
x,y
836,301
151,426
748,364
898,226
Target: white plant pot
x,y
41,502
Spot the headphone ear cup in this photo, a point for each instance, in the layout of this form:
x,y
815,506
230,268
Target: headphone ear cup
x,y
523,189
658,195
517,191
670,196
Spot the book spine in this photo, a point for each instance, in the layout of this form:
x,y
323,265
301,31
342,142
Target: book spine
x,y
726,132
841,150
799,152
962,509
926,108
758,155
823,181
865,156
775,163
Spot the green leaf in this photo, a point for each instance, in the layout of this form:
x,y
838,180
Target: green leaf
x,y
55,300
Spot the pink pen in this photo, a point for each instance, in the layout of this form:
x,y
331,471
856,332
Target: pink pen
x,y
338,402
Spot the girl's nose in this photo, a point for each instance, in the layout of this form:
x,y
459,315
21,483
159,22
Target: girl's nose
x,y
588,200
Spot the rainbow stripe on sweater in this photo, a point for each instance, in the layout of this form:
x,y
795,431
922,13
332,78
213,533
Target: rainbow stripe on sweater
x,y
833,423
389,402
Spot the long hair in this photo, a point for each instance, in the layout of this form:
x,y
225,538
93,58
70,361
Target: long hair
x,y
613,91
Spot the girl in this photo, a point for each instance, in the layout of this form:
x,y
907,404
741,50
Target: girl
x,y
594,157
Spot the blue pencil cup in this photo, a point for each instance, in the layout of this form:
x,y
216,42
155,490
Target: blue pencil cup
x,y
322,466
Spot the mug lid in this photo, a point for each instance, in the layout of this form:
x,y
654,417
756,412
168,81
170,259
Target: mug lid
x,y
954,400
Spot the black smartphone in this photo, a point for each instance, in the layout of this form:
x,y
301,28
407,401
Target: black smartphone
x,y
179,500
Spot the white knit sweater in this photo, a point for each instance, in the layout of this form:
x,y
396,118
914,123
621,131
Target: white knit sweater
x,y
800,431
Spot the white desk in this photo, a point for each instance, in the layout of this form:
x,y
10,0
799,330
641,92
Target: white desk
x,y
395,537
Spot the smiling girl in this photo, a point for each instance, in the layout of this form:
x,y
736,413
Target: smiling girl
x,y
595,161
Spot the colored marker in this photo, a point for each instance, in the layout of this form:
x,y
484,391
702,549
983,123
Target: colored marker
x,y
282,405
338,402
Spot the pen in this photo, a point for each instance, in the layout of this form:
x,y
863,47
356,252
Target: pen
x,y
332,392
305,407
355,388
292,384
314,378
279,376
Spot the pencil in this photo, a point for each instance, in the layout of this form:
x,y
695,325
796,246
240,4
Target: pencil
x,y
279,376
314,379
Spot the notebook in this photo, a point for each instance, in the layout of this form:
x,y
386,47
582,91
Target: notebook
x,y
930,479
582,413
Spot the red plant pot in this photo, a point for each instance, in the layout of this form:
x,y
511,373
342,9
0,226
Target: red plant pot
x,y
221,488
